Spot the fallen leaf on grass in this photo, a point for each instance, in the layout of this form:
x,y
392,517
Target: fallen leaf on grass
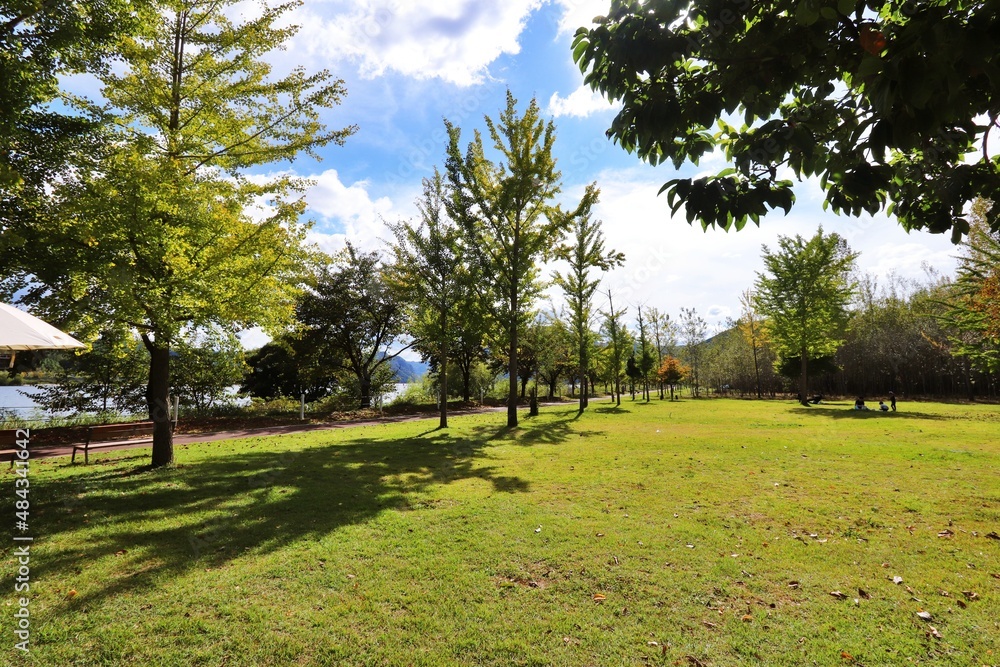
x,y
925,616
694,661
838,595
897,580
747,618
865,594
995,576
993,535
847,656
570,640
652,643
121,552
961,604
598,597
709,624
945,533
969,595
933,632
71,594
793,584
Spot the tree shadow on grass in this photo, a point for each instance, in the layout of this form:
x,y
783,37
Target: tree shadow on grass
x,y
847,411
164,523
205,515
612,410
551,431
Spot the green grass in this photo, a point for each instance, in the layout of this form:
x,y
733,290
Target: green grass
x,y
716,529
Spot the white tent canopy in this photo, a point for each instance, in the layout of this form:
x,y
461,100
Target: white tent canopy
x,y
20,331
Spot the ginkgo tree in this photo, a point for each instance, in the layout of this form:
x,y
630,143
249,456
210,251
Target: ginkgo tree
x,y
507,211
162,231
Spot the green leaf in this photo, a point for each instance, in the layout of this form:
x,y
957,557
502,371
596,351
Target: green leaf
x,y
806,13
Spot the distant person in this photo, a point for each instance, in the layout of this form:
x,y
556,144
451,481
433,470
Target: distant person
x,y
816,399
860,404
892,401
883,407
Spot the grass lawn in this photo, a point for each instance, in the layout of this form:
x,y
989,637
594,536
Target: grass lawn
x,y
689,533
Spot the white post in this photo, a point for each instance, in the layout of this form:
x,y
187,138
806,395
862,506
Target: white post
x,y
302,408
177,409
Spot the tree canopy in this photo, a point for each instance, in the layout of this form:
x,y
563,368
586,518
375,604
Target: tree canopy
x,y
804,295
507,212
154,231
890,103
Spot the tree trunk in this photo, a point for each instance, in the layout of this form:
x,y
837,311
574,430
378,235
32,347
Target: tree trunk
x,y
158,401
444,374
512,371
756,370
366,391
804,379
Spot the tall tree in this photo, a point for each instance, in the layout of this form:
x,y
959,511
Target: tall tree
x,y
751,327
646,362
353,315
975,306
157,235
672,372
849,91
288,366
804,296
431,272
614,326
693,331
506,210
585,252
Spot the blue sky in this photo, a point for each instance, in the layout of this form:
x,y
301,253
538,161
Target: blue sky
x,y
408,65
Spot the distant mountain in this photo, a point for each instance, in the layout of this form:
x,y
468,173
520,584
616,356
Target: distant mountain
x,y
408,371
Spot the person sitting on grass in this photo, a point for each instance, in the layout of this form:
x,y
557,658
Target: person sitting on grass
x,y
860,404
883,407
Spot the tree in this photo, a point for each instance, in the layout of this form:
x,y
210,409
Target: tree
x,y
109,377
354,319
506,211
555,351
693,330
646,362
289,367
156,234
848,91
661,328
618,339
433,277
751,327
206,366
672,372
585,252
975,306
804,296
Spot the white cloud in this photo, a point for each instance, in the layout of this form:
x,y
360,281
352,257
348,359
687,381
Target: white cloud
x,y
349,213
581,102
454,40
580,13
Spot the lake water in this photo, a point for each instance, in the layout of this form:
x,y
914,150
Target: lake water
x,y
12,400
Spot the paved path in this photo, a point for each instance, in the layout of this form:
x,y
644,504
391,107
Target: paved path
x,y
48,451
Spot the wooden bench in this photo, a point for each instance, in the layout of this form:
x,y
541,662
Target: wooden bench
x,y
8,442
110,435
